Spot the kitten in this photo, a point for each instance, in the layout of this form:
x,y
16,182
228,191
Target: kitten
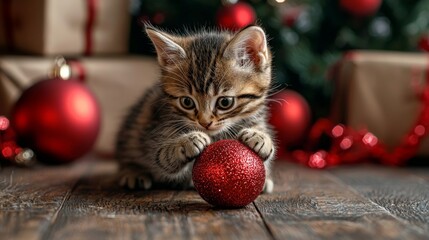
x,y
213,86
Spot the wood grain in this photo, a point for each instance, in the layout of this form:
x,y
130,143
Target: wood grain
x,y
311,204
400,191
98,209
31,198
83,201
421,172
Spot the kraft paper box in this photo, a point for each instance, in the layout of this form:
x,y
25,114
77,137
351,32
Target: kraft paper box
x,y
116,83
67,27
379,91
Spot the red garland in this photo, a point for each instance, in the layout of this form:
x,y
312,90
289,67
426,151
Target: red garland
x,y
10,152
92,6
351,146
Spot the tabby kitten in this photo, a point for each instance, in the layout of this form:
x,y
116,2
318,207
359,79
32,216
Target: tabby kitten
x,y
213,86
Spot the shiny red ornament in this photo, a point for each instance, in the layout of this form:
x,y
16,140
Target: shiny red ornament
x,y
235,16
59,119
424,43
228,174
361,8
290,116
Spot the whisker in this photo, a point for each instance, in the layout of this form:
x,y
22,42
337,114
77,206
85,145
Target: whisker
x,y
279,101
276,89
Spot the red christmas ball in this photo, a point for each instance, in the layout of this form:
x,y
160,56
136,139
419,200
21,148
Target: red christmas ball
x,y
290,117
290,15
228,174
236,16
58,119
360,8
424,43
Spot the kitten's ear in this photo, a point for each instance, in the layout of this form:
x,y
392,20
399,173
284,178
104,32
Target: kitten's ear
x,y
249,48
167,48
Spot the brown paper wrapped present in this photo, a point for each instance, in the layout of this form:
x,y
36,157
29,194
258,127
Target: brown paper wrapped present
x,y
117,83
379,91
51,27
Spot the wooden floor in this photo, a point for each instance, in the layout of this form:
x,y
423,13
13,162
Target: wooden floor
x,y
81,201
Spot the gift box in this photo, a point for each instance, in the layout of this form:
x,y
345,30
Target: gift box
x,y
117,83
51,27
381,92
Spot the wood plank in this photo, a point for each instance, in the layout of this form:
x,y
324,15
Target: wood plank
x,y
99,209
346,203
31,197
422,172
400,191
310,204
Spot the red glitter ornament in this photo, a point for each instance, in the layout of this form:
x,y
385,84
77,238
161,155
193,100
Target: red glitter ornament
x,y
290,116
59,119
236,16
361,8
228,174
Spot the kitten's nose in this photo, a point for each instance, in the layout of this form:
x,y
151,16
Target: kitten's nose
x,y
205,124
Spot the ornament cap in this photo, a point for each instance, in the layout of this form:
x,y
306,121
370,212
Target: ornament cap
x,y
61,69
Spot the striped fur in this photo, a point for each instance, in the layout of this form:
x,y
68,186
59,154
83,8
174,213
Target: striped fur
x,y
213,86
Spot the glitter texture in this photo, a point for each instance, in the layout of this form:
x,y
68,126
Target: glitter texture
x,y
228,174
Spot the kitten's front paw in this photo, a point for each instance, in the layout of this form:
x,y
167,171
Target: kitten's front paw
x,y
173,157
259,141
192,144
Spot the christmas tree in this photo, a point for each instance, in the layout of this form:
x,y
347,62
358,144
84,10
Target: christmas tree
x,y
307,37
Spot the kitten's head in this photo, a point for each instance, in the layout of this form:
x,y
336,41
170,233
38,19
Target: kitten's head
x,y
214,79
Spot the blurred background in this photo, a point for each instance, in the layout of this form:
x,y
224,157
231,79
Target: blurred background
x,y
307,37
353,73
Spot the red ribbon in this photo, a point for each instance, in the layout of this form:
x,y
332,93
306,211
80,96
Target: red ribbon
x,y
90,22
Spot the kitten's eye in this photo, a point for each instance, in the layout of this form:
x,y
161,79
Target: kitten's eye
x,y
187,103
225,103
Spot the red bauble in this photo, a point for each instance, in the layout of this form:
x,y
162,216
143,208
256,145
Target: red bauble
x,y
58,119
290,117
228,174
360,8
424,43
236,16
290,16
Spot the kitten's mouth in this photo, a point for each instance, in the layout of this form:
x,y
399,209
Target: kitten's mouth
x,y
212,130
